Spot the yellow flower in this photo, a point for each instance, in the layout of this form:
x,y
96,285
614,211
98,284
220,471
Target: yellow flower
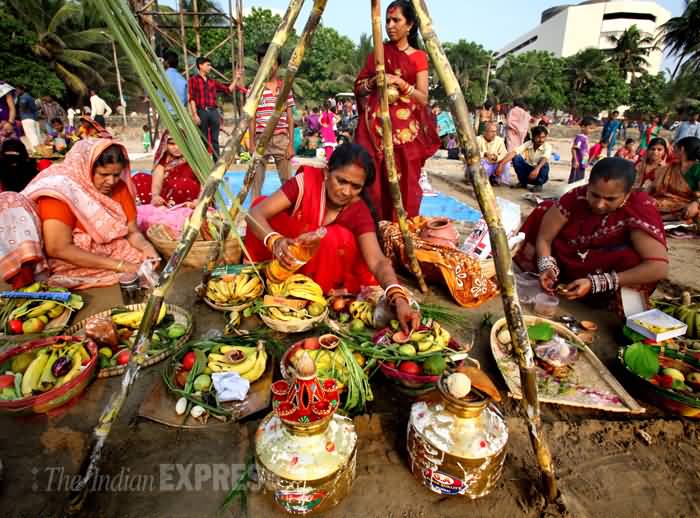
x,y
403,114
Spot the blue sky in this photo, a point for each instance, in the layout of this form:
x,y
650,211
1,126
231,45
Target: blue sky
x,y
492,23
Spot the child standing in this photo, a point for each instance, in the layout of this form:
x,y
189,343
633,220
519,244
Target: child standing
x,y
146,138
579,151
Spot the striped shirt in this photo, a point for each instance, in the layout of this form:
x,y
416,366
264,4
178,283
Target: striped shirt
x,y
267,107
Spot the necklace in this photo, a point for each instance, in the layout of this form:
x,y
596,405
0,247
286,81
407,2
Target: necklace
x,y
405,48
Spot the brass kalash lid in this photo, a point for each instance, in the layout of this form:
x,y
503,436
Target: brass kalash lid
x,y
306,405
463,401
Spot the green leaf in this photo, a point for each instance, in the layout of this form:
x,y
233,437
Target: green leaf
x,y
541,332
642,360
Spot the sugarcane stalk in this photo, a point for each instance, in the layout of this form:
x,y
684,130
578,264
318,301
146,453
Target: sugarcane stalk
x,y
387,139
281,103
501,251
167,277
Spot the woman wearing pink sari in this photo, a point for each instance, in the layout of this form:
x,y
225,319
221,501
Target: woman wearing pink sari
x,y
517,125
76,221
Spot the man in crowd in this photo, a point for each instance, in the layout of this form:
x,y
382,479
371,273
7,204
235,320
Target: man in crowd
x,y
492,151
51,110
99,109
688,128
202,94
531,160
281,145
175,78
28,114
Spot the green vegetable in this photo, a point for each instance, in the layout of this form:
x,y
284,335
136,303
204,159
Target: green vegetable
x,y
176,331
632,335
541,332
434,366
642,360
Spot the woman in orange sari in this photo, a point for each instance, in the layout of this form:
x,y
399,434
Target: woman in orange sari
x,y
651,165
349,256
82,213
414,132
677,190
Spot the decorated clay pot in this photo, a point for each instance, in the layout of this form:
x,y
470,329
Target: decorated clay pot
x,y
440,231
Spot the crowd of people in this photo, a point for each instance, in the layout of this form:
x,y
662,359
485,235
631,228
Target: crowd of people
x,y
76,221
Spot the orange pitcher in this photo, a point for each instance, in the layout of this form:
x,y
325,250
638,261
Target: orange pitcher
x,y
303,248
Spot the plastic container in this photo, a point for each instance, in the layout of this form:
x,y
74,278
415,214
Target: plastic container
x,y
546,305
528,286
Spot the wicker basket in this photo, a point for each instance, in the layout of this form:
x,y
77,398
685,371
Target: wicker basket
x,y
293,326
181,317
200,252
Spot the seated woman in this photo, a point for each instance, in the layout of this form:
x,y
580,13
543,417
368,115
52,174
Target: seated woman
x,y
349,256
652,165
598,237
677,190
84,208
90,128
16,167
172,181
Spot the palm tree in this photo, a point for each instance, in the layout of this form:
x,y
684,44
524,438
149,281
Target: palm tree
x,y
681,37
631,50
364,49
63,41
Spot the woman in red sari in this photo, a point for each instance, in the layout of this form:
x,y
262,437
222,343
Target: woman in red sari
x,y
414,130
598,237
651,165
172,181
349,256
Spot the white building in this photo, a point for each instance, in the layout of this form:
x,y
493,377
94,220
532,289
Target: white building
x,y
565,30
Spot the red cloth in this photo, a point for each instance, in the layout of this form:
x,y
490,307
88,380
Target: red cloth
x,y
203,92
415,134
180,185
338,262
591,243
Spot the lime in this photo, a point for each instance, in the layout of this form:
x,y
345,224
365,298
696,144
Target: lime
x,y
434,365
316,309
357,326
176,330
105,352
407,350
202,382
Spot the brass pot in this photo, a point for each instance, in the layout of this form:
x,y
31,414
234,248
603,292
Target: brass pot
x,y
457,446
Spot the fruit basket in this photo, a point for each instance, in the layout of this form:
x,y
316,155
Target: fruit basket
x,y
293,325
127,319
293,306
675,386
29,361
30,316
232,292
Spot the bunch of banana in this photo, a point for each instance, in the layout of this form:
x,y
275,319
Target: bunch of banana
x,y
238,289
301,287
287,313
685,311
430,340
329,364
133,319
362,310
251,367
45,372
234,321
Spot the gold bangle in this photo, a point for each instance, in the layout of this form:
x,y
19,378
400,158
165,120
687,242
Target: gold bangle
x,y
120,266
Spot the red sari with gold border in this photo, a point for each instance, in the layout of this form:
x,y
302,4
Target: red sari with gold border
x,y
338,263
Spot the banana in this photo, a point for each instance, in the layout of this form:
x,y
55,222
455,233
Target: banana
x,y
220,360
56,311
276,289
258,367
41,309
30,381
133,319
228,348
47,379
277,314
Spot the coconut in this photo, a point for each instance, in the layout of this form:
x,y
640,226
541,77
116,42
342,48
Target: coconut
x,y
305,366
329,341
458,385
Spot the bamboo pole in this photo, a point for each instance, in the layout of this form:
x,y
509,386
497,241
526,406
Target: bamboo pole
x,y
501,251
122,102
387,137
90,466
183,37
280,105
195,22
233,47
241,57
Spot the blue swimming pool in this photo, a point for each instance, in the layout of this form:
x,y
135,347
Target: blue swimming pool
x,y
440,205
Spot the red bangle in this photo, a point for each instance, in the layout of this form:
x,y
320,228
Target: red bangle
x,y
658,259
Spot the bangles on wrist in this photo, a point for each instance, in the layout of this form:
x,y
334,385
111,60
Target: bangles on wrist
x,y
394,292
269,239
602,282
120,266
547,262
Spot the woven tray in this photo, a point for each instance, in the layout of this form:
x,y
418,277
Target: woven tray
x,y
293,326
201,251
591,386
179,314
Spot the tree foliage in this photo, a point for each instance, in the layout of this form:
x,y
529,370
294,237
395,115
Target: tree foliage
x,y
681,37
647,95
631,50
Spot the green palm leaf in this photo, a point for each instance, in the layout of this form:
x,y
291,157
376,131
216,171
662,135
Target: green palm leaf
x,y
73,81
64,13
86,38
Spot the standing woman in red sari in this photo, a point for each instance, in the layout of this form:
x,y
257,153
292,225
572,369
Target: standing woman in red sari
x,y
598,237
414,132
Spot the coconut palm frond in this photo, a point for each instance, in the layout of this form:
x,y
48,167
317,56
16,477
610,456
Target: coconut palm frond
x,y
86,38
65,13
84,56
72,81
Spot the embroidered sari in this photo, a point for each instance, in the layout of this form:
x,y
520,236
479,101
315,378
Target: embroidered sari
x,y
415,135
102,229
590,243
338,263
180,184
673,192
460,272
